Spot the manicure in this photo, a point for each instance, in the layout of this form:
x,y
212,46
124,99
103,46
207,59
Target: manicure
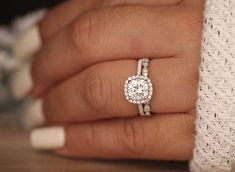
x,y
47,138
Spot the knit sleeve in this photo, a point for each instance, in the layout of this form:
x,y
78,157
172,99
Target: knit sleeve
x,y
215,124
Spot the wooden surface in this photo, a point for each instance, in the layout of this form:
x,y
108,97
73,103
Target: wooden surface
x,y
17,156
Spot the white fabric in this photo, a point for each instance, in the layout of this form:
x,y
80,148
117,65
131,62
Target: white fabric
x,y
215,124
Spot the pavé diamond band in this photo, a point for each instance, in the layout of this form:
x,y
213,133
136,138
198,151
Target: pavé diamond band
x,y
138,89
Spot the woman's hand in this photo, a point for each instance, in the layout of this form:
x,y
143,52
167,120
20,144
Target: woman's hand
x,y
89,49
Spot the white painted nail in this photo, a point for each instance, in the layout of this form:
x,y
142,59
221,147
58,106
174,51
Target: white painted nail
x,y
47,138
28,43
21,82
33,115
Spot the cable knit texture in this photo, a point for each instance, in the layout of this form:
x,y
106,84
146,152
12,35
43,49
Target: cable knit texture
x,y
215,124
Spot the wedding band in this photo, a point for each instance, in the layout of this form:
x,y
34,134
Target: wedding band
x,y
138,89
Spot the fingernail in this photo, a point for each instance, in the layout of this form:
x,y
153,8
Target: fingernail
x,y
28,43
21,82
47,138
33,115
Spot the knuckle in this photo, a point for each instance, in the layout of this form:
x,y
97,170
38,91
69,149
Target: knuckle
x,y
130,15
39,68
81,32
85,31
96,90
90,138
48,25
132,137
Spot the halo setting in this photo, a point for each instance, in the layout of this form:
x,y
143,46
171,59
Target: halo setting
x,y
138,89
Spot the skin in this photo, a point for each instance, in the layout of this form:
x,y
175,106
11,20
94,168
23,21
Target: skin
x,y
91,47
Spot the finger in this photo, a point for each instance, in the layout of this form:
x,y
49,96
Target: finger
x,y
30,41
56,18
115,33
161,137
62,15
98,92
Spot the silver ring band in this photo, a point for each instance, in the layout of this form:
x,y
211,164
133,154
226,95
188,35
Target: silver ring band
x,y
144,109
138,89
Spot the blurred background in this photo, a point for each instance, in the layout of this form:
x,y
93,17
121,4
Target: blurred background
x,y
15,18
10,9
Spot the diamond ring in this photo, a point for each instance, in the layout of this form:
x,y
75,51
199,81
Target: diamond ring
x,y
138,89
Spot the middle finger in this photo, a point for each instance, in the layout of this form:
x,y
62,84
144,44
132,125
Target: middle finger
x,y
114,33
63,14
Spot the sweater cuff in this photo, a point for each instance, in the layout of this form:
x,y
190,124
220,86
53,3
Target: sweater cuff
x,y
215,124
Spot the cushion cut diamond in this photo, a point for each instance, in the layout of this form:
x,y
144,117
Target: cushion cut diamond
x,y
138,89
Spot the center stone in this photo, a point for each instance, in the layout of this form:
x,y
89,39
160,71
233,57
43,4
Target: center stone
x,y
138,89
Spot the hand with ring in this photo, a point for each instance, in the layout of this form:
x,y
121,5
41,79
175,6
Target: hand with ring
x,y
88,105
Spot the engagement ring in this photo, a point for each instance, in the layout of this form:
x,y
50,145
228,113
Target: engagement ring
x,y
138,89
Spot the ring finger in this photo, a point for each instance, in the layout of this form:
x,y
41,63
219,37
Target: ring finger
x,y
97,92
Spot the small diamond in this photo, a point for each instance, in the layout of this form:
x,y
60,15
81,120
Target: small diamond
x,y
147,108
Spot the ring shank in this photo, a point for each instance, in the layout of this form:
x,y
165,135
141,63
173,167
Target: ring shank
x,y
142,70
143,110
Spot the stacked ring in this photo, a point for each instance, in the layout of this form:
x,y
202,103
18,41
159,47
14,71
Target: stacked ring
x,y
138,89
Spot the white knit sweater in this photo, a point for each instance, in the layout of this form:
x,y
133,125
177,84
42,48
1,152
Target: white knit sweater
x,y
215,124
